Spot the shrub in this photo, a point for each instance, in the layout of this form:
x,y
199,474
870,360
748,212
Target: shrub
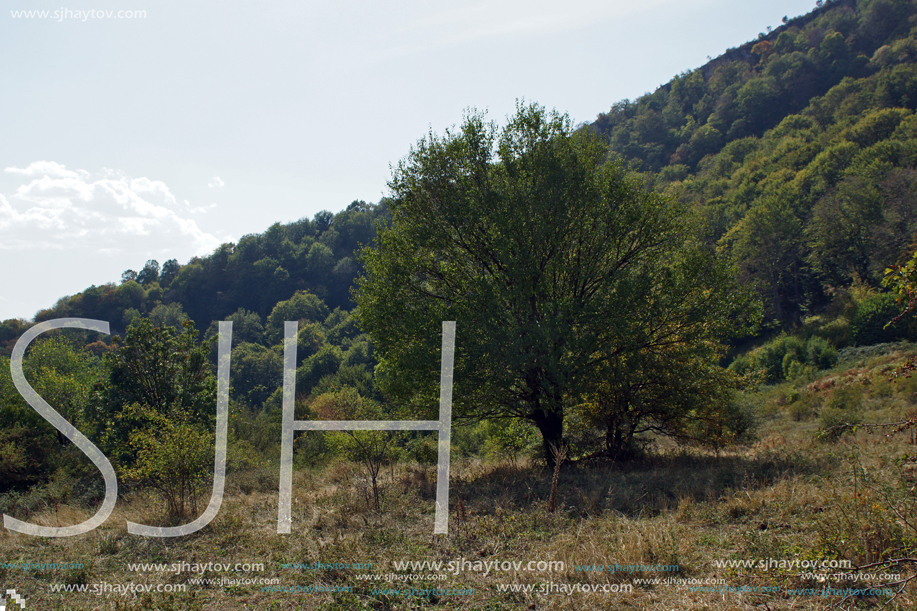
x,y
424,449
842,407
174,457
742,364
820,353
870,325
372,449
509,438
835,417
786,358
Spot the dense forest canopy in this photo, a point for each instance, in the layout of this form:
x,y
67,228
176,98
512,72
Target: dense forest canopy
x,y
799,149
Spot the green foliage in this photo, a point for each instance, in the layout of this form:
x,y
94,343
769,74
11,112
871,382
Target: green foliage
x,y
768,246
149,274
820,191
796,151
130,295
786,358
820,353
325,362
555,264
303,306
26,452
508,439
164,372
173,456
10,330
246,327
872,323
424,449
251,276
256,372
30,448
836,421
170,269
170,315
157,411
840,230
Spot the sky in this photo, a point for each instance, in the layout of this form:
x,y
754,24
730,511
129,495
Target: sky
x,y
136,130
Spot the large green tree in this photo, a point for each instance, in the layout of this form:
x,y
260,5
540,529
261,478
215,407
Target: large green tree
x,y
544,254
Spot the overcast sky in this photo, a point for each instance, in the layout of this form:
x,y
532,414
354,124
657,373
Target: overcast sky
x,y
184,124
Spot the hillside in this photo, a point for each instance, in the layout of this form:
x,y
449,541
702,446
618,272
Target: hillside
x,y
798,150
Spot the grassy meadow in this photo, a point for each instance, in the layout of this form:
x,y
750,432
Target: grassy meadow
x,y
789,498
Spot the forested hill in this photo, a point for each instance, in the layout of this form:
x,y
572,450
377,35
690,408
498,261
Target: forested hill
x,y
750,89
251,276
798,148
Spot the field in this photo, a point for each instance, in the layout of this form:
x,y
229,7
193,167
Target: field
x,y
747,528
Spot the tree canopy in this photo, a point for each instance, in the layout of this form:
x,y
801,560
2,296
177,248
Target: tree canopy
x,y
553,262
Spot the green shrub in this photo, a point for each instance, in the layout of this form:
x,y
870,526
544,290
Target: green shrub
x,y
820,353
743,364
870,325
424,449
174,457
467,438
793,369
787,357
846,398
804,407
509,438
770,360
844,406
837,332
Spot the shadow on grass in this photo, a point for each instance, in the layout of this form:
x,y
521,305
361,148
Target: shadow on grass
x,y
639,488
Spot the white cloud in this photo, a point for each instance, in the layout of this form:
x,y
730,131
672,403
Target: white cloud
x,y
216,183
106,212
48,168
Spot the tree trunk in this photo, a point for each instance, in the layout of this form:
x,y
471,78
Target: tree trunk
x,y
619,438
551,427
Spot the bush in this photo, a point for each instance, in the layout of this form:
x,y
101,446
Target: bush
x,y
820,353
742,364
509,438
842,407
174,457
835,417
467,438
770,359
870,325
424,448
836,332
787,358
372,449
